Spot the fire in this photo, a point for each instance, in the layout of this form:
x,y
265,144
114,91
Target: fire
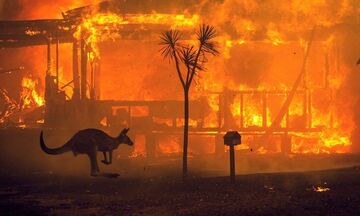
x,y
332,138
174,21
8,105
327,141
29,95
169,145
262,50
274,36
320,189
99,27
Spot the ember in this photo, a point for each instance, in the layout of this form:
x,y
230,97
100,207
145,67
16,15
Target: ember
x,y
320,189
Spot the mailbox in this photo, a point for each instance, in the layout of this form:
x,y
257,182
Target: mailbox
x,y
232,138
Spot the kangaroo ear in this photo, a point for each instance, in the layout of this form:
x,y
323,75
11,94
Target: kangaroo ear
x,y
125,130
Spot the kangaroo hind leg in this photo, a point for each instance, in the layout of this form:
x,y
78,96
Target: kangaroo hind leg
x,y
94,168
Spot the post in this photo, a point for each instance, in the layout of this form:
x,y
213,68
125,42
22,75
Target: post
x,y
309,114
92,90
287,115
241,110
48,73
57,63
264,114
97,79
76,94
232,163
231,139
83,69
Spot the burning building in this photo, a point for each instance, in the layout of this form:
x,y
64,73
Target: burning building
x,y
286,77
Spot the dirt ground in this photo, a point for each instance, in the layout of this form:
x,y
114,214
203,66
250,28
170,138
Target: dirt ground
x,y
252,194
33,183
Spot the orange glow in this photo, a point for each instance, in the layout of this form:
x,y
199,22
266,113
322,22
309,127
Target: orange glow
x,y
169,145
29,95
320,189
107,26
260,51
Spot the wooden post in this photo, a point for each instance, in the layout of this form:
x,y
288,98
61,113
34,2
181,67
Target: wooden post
x,y
76,94
287,119
232,163
97,79
305,108
57,63
48,73
309,104
224,108
92,90
83,69
264,114
219,114
241,110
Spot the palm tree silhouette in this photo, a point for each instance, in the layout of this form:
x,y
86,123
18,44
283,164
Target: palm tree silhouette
x,y
193,58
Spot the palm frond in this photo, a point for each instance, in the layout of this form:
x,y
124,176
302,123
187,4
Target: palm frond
x,y
188,57
169,41
205,35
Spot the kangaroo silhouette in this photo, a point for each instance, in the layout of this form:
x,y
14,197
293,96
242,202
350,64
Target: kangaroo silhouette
x,y
89,142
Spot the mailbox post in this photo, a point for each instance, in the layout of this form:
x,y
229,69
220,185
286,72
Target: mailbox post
x,y
231,139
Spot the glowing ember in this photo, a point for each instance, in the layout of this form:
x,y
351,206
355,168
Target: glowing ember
x,y
32,33
320,189
8,106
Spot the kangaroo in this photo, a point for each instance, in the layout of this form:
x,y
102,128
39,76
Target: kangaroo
x,y
90,141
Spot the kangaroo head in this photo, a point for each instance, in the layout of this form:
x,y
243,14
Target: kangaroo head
x,y
123,138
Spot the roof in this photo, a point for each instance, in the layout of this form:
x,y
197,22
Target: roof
x,y
18,33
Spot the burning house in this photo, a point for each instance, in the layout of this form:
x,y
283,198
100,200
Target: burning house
x,y
285,78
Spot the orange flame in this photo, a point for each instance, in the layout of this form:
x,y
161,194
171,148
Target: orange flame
x,y
29,95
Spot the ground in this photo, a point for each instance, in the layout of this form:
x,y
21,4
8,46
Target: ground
x,y
286,193
34,183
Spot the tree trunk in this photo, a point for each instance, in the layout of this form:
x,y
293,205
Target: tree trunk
x,y
186,131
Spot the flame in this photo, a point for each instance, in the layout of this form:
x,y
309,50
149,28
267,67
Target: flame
x,y
274,36
29,95
277,38
9,105
169,145
327,141
139,147
100,27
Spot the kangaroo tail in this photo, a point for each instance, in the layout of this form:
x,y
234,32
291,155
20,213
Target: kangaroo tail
x,y
54,151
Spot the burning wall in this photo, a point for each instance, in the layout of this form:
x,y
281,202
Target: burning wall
x,y
262,44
